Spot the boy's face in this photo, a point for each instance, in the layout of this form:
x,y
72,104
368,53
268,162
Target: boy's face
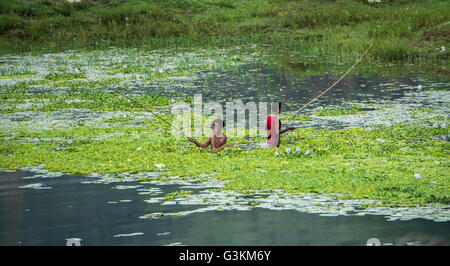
x,y
216,127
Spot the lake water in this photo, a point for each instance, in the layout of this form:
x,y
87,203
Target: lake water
x,y
67,207
101,214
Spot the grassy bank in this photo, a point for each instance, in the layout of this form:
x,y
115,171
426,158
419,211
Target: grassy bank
x,y
402,30
380,163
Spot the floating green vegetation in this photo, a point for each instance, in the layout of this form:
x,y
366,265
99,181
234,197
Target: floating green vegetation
x,y
335,111
55,76
384,106
101,82
178,194
11,72
401,164
15,77
119,119
83,99
298,117
420,111
20,119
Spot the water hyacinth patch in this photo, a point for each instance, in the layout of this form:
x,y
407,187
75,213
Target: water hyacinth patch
x,y
288,154
325,170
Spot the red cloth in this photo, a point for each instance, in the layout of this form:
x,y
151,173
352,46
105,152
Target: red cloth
x,y
270,121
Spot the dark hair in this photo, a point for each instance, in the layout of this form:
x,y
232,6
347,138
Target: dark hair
x,y
219,121
276,106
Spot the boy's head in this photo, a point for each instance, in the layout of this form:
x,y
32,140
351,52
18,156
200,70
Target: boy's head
x,y
217,124
276,108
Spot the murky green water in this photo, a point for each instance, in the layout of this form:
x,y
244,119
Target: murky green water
x,y
101,214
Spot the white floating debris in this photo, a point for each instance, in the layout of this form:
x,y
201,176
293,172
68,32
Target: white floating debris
x,y
127,187
139,148
417,176
381,140
131,234
155,215
153,200
174,244
125,200
160,165
163,234
35,186
419,87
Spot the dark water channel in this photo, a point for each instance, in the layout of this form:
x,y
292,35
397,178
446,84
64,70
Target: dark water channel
x,y
72,209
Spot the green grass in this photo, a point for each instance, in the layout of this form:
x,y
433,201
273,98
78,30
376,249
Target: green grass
x,y
406,31
351,162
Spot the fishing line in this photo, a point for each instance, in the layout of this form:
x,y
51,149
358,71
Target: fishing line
x,y
332,85
145,107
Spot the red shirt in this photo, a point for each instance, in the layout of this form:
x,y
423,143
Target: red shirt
x,y
273,130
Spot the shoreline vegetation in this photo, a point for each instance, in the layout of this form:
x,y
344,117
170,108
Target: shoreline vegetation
x,y
397,164
337,31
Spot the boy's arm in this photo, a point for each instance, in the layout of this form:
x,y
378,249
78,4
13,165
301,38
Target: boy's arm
x,y
286,130
204,145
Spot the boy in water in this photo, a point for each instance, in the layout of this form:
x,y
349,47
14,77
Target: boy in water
x,y
273,126
217,140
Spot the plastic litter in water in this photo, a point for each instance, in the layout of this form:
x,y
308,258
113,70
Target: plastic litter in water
x,y
128,235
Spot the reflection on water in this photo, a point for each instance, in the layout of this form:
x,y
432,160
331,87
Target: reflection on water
x,y
101,214
260,82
